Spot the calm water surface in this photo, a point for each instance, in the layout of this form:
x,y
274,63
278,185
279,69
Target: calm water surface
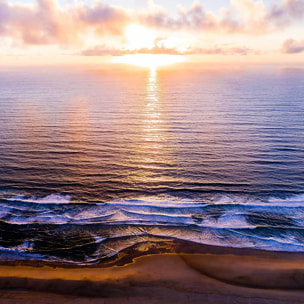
x,y
92,162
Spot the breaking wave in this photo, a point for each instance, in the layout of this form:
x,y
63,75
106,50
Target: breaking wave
x,y
57,227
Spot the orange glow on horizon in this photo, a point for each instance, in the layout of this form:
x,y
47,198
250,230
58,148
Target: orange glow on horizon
x,y
141,41
151,61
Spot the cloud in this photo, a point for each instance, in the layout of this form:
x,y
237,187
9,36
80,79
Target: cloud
x,y
241,16
291,46
44,22
103,50
194,18
103,17
243,51
286,13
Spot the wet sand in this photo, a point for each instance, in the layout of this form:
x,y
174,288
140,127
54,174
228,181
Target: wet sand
x,y
214,275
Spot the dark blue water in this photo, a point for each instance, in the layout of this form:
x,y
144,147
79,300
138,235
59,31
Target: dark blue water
x,y
92,162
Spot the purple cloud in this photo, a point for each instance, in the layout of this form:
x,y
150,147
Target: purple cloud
x,y
291,46
242,16
45,23
286,13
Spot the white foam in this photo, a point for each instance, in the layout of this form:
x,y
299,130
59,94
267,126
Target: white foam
x,y
50,199
25,246
164,210
98,239
172,202
45,219
293,201
228,221
164,202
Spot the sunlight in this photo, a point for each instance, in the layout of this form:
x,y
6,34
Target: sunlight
x,y
140,42
139,37
151,61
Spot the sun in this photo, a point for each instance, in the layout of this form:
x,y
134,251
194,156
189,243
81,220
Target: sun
x,y
141,39
151,61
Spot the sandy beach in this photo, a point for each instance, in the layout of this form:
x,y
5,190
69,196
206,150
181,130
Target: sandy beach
x,y
215,275
151,152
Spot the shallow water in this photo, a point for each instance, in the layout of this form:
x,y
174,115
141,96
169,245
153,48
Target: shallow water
x,y
92,162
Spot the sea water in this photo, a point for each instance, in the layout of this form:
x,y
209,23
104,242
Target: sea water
x,y
95,161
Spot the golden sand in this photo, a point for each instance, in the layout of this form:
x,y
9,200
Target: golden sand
x,y
162,278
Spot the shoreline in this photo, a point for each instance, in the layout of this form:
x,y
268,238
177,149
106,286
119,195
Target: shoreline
x,y
204,274
174,246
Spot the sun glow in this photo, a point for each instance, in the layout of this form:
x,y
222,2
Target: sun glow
x,y
151,61
140,41
139,37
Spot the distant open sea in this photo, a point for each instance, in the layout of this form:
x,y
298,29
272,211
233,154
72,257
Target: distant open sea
x,y
93,162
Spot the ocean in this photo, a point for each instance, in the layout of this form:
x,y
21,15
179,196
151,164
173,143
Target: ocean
x,y
96,161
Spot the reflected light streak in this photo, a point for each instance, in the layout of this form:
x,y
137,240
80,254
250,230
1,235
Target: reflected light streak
x,y
152,112
153,145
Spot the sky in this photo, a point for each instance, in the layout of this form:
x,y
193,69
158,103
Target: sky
x,y
95,32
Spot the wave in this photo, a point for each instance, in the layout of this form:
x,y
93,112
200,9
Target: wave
x,y
49,199
57,226
289,202
215,211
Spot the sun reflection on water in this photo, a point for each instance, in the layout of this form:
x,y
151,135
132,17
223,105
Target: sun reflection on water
x,y
151,150
155,143
153,119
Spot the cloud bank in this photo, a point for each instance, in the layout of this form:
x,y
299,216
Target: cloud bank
x,y
103,50
242,16
45,23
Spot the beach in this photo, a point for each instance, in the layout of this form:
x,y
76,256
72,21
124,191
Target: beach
x,y
151,152
214,275
151,187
